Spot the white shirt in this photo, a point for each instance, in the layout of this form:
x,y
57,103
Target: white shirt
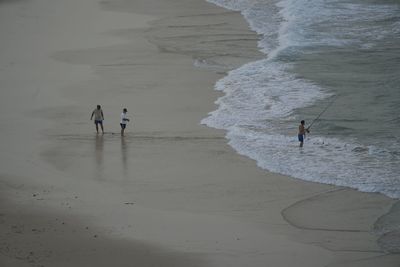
x,y
98,114
123,117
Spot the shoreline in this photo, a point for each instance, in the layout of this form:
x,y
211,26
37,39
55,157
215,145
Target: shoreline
x,y
172,191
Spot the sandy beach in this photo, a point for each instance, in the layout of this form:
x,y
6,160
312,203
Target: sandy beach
x,y
171,192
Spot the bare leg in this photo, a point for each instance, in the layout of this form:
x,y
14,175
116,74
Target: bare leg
x,y
102,129
97,128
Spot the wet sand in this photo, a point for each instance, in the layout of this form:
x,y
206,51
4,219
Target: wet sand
x,y
171,192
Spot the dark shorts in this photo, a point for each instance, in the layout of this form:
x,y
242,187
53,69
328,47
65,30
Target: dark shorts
x,y
98,122
123,126
301,137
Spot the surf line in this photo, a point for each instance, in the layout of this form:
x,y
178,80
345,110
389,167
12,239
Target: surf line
x,y
323,111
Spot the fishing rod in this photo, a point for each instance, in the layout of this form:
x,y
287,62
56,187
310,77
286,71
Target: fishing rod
x,y
322,112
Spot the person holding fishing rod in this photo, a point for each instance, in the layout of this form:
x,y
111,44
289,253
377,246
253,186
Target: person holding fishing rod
x,y
302,132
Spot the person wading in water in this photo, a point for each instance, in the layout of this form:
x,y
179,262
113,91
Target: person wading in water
x,y
302,133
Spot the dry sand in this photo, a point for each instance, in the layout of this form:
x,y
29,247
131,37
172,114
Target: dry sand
x,y
171,192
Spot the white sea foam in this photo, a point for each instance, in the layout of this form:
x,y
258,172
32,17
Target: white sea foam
x,y
261,98
260,90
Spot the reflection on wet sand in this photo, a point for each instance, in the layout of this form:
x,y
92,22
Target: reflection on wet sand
x,y
105,146
124,155
99,150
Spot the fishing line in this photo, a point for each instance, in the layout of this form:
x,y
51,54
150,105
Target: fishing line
x,y
322,112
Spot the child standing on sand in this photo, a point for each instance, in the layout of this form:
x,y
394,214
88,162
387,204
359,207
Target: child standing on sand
x,y
124,121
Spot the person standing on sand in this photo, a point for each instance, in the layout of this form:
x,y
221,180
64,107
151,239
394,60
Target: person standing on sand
x,y
124,121
98,118
302,133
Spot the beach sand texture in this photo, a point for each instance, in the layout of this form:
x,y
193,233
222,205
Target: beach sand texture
x,y
171,192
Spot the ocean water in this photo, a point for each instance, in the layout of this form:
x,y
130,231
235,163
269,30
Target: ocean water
x,y
340,54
